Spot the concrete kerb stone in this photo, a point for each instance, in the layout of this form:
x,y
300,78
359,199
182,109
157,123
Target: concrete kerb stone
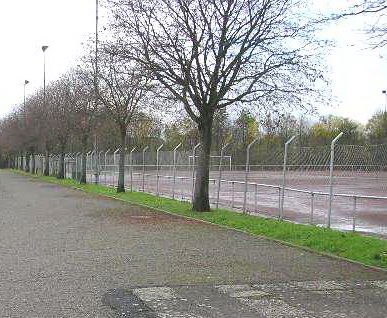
x,y
304,248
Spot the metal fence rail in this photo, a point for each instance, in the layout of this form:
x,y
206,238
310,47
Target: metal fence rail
x,y
349,196
259,196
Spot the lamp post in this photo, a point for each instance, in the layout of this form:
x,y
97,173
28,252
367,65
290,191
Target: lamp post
x,y
47,157
385,103
24,117
96,170
96,43
44,48
25,83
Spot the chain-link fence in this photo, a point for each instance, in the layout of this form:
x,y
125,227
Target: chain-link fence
x,y
301,187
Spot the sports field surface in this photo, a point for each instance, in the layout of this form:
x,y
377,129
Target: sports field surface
x,y
359,198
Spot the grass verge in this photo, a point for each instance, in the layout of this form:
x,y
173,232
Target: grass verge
x,y
366,250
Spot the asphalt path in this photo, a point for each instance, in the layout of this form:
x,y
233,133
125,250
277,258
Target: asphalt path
x,y
65,253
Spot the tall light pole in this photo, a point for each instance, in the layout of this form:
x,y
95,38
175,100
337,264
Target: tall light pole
x,y
96,39
46,171
44,48
24,103
385,103
96,94
24,115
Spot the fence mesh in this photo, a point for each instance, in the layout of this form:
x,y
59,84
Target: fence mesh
x,y
359,180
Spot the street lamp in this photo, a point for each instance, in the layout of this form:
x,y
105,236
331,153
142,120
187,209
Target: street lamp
x,y
46,171
96,172
385,104
24,113
25,83
44,48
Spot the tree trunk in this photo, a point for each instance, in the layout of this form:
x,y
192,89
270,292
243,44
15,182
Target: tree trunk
x,y
83,168
47,163
201,200
27,167
121,163
61,165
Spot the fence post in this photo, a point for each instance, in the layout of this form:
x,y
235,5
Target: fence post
x,y
67,164
79,155
143,168
354,214
96,156
99,158
279,198
114,156
131,168
105,164
105,161
256,199
174,169
115,164
76,166
232,194
64,165
72,165
88,163
220,173
247,172
311,207
87,157
157,168
284,176
193,168
331,178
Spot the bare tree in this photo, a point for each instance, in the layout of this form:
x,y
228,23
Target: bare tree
x,y
32,125
376,30
61,97
85,109
45,113
210,54
122,87
11,136
22,131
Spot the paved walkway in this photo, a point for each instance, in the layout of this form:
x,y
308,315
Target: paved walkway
x,y
69,254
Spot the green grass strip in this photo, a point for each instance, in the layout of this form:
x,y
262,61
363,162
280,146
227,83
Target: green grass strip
x,y
354,246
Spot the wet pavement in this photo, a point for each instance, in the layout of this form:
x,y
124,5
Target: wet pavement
x,y
65,253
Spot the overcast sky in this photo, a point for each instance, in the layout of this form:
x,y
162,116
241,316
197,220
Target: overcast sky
x,y
358,74
25,26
